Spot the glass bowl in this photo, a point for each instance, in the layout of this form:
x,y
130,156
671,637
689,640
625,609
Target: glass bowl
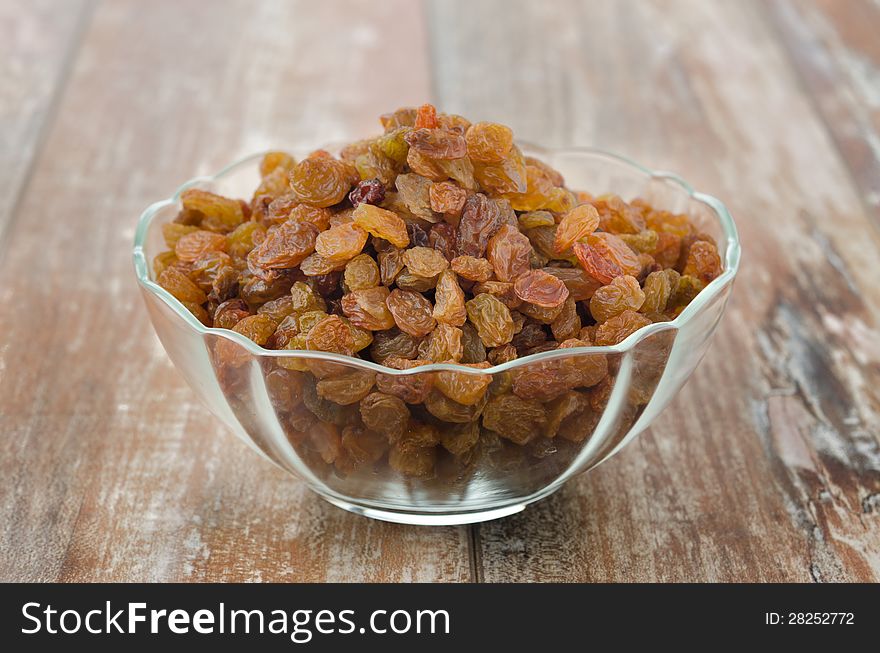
x,y
524,428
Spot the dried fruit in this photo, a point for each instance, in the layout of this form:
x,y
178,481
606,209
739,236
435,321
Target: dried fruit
x,y
449,305
618,328
509,252
385,414
442,345
370,191
330,334
576,224
623,293
361,272
285,246
342,242
320,181
489,142
181,286
348,388
491,318
424,261
367,308
436,242
437,143
518,420
381,224
412,312
447,197
220,213
540,289
703,261
472,268
480,219
598,267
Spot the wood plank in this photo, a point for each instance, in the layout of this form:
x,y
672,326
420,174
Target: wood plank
x,y
115,473
835,49
37,39
767,466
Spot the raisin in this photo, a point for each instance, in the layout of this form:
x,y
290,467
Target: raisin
x,y
220,213
442,345
393,343
385,414
530,336
703,261
437,143
366,308
615,250
618,328
348,388
258,328
473,350
502,290
618,217
320,181
535,219
230,312
540,289
480,219
424,261
361,272
567,324
371,191
576,224
461,438
448,410
595,265
418,235
330,334
467,389
580,285
489,142
509,252
404,117
441,237
390,265
341,243
657,289
518,420
416,462
506,176
411,388
472,268
381,224
285,246
449,300
414,191
447,198
426,117
191,246
623,293
181,286
412,312
491,318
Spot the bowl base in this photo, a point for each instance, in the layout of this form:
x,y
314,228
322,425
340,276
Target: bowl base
x,y
416,518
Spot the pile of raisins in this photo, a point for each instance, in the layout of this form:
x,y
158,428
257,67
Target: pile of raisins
x,y
435,242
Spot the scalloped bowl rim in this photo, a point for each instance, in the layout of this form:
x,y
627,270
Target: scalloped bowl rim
x,y
731,266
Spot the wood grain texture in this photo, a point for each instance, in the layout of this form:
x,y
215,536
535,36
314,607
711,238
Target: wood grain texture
x,y
111,470
834,47
37,41
767,466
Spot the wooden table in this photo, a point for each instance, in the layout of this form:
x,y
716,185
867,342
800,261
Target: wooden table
x,y
766,467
